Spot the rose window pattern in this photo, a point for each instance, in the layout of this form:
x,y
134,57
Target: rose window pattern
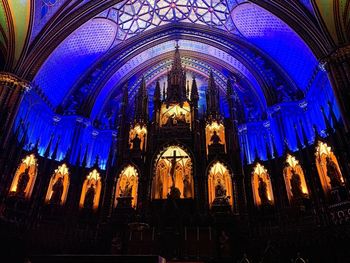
x,y
136,16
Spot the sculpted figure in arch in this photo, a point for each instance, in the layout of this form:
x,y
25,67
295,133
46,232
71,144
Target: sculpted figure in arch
x,y
57,190
262,190
22,182
215,139
89,197
333,173
295,183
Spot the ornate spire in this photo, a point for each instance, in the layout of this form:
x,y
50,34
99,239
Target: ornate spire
x,y
157,95
299,144
67,157
194,90
55,150
329,128
213,96
141,102
48,148
84,162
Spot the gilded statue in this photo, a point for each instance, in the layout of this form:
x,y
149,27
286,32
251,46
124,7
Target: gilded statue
x,y
220,190
333,173
136,143
22,183
215,139
127,191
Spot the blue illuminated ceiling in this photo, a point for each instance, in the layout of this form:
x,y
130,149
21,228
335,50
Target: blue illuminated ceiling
x,y
82,78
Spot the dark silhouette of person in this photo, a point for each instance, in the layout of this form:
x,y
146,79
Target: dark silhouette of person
x,y
57,190
262,190
89,198
136,143
127,191
333,173
22,183
295,183
215,139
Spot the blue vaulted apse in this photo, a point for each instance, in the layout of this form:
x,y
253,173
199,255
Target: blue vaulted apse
x,y
76,97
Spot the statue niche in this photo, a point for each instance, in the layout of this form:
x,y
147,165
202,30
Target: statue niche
x,y
91,191
215,138
137,138
58,186
328,168
220,186
126,188
175,115
24,179
262,187
294,179
173,175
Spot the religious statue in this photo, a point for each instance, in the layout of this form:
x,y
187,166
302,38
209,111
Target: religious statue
x,y
89,198
187,192
262,190
136,143
215,139
220,190
57,190
127,191
22,183
333,173
295,183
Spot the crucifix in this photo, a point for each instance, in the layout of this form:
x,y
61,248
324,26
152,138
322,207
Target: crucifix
x,y
174,159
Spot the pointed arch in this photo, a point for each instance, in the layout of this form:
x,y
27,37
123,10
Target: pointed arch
x,y
169,171
127,184
94,184
25,176
57,190
262,186
294,179
327,167
219,179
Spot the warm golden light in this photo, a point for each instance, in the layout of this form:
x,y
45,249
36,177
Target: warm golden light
x,y
324,153
61,173
128,178
175,115
212,131
92,180
262,187
173,167
141,132
300,188
219,175
30,163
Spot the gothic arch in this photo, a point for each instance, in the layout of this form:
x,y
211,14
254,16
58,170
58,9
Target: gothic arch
x,y
25,176
262,186
128,178
182,173
58,186
92,181
218,172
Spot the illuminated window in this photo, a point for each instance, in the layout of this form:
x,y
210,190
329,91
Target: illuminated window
x,y
58,186
25,176
173,168
262,187
127,185
141,133
294,179
328,167
90,194
219,184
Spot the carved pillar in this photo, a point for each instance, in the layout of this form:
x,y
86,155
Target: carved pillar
x,y
12,89
338,67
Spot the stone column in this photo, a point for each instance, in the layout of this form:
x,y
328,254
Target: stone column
x,y
337,65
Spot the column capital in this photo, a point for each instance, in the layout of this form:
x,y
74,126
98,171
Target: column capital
x,y
10,79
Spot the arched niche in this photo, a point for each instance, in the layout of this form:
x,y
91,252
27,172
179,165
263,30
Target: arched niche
x,y
328,167
294,179
91,191
58,187
25,176
262,186
139,131
220,189
215,136
127,185
172,168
